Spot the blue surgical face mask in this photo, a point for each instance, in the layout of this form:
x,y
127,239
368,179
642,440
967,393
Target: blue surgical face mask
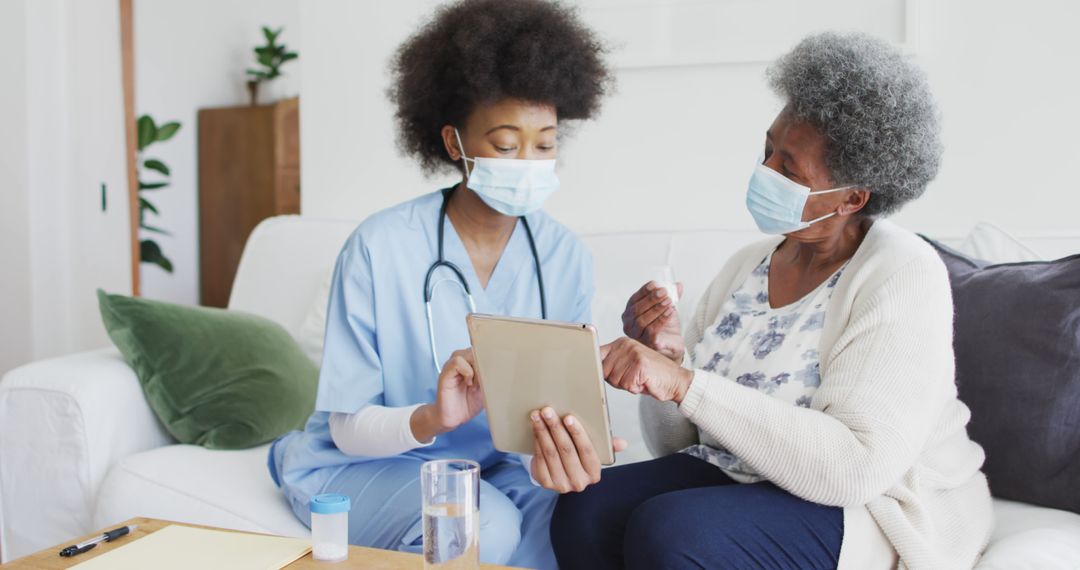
x,y
776,202
512,187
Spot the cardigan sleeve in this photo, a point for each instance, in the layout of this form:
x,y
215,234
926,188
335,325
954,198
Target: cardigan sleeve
x,y
889,378
664,429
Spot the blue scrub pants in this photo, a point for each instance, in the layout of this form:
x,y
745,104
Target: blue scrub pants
x,y
515,514
682,512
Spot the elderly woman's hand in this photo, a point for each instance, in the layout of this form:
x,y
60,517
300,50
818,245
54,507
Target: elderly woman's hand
x,y
564,459
636,368
651,318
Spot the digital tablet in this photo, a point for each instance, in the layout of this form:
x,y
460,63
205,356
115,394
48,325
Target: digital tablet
x,y
526,364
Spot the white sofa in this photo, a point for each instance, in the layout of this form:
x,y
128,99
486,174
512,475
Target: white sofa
x,y
80,448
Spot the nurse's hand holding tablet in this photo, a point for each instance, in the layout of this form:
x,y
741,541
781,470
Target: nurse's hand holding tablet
x,y
545,397
564,459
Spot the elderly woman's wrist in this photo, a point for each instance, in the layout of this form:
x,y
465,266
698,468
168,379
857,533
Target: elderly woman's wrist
x,y
684,379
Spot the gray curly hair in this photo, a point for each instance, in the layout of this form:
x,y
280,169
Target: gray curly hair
x,y
875,110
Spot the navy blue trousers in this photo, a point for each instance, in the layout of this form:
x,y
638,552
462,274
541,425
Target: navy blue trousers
x,y
682,512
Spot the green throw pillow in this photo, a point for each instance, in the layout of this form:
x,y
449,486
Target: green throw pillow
x,y
216,378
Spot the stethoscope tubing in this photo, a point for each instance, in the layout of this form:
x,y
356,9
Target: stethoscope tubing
x,y
459,276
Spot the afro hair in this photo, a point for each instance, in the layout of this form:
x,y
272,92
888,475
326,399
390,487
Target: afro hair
x,y
483,51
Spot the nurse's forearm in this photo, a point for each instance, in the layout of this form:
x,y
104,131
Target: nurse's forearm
x,y
376,431
425,423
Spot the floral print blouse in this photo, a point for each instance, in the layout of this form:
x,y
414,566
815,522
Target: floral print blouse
x,y
774,351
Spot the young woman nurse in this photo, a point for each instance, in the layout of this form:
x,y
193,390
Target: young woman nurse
x,y
481,88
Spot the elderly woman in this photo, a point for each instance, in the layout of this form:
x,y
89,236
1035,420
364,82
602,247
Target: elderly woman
x,y
814,407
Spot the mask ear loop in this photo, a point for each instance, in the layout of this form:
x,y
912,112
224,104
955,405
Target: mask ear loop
x,y
816,220
831,214
461,148
840,189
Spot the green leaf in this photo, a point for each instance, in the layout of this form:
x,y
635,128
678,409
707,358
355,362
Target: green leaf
x,y
145,204
155,164
266,59
289,56
268,34
154,229
166,131
150,252
147,131
152,185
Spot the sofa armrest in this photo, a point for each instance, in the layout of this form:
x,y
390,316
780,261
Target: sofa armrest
x,y
63,423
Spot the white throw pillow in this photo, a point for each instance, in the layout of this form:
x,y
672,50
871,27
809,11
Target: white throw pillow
x,y
313,329
988,242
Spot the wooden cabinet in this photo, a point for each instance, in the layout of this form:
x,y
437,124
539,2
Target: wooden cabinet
x,y
249,170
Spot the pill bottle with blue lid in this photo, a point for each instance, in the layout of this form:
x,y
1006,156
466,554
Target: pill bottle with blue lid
x,y
330,527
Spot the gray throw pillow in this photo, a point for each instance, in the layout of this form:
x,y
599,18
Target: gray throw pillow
x,y
1017,341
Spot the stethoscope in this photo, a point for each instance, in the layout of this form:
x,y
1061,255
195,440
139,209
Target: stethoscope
x,y
459,276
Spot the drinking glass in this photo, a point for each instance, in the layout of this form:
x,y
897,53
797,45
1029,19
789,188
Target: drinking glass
x,y
451,512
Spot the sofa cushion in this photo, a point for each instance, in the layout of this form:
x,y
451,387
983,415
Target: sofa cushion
x,y
1027,537
284,261
222,379
192,484
1017,340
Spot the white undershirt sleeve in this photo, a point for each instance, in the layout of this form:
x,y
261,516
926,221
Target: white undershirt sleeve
x,y
526,462
375,431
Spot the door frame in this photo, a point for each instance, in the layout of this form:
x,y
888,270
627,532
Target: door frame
x,y
127,53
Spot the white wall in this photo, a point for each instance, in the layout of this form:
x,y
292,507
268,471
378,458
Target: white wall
x,y
1006,76
15,314
674,147
192,54
65,141
355,171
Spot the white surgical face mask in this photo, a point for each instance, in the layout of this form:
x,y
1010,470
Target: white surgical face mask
x,y
512,187
777,202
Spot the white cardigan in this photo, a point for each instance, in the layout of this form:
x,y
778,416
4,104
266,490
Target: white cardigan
x,y
885,431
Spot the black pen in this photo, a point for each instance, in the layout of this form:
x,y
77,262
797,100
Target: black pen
x,y
90,544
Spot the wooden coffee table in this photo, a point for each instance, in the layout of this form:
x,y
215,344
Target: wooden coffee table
x,y
359,556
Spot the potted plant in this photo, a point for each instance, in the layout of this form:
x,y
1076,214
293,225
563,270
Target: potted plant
x,y
270,58
150,133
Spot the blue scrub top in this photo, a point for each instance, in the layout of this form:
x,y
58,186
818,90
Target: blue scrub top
x,y
376,349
